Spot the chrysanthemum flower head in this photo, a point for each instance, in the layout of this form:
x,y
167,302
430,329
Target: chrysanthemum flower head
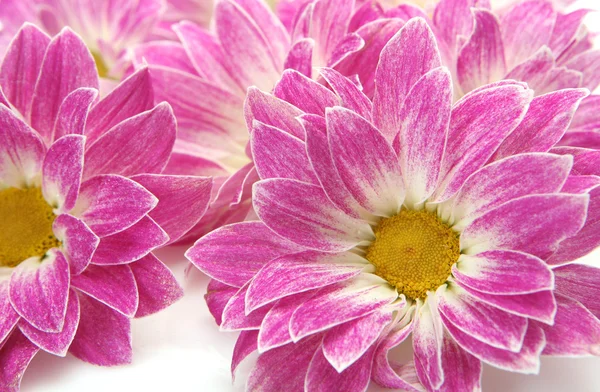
x,y
407,216
82,205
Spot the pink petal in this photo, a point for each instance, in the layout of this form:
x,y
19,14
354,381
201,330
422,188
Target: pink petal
x,y
410,54
233,254
131,97
299,272
526,361
532,224
169,54
481,59
241,38
576,331
130,244
328,25
303,214
365,161
172,193
73,113
587,64
483,322
544,124
114,286
580,184
359,297
21,66
56,343
21,149
321,159
538,306
322,376
78,242
217,296
346,344
275,327
15,355
500,272
351,96
525,28
424,120
235,316
109,204
104,335
508,179
140,144
278,154
386,372
462,371
9,316
61,172
587,116
244,346
299,57
272,111
427,345
39,293
156,285
565,29
453,19
477,129
304,93
58,78
580,283
283,368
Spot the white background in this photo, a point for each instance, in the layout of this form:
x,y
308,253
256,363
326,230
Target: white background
x,y
181,349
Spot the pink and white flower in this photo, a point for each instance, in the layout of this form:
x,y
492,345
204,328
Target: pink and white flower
x,y
83,204
407,215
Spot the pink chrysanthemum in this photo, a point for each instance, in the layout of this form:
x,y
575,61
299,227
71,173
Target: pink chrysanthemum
x,y
82,205
409,215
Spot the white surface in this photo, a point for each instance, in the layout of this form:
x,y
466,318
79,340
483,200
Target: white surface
x,y
182,350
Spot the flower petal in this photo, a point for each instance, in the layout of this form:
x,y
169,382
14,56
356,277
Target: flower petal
x,y
235,316
532,224
58,78
61,172
303,214
299,57
172,193
21,66
273,111
481,59
304,93
244,346
580,283
78,242
56,343
109,204
427,344
500,272
156,285
39,291
365,161
462,371
140,144
278,154
217,296
74,112
345,345
351,96
424,120
544,124
15,355
360,296
299,272
410,54
130,244
104,335
233,254
112,285
576,332
131,97
477,129
481,321
9,316
21,151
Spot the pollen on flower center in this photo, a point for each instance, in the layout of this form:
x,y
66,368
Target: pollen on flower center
x,y
25,225
100,64
414,251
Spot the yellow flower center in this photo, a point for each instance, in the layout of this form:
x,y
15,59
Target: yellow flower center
x,y
100,64
25,225
414,251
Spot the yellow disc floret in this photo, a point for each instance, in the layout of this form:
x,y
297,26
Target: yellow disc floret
x,y
25,225
414,251
100,64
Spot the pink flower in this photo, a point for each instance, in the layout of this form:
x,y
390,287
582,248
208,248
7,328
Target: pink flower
x,y
408,215
83,204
